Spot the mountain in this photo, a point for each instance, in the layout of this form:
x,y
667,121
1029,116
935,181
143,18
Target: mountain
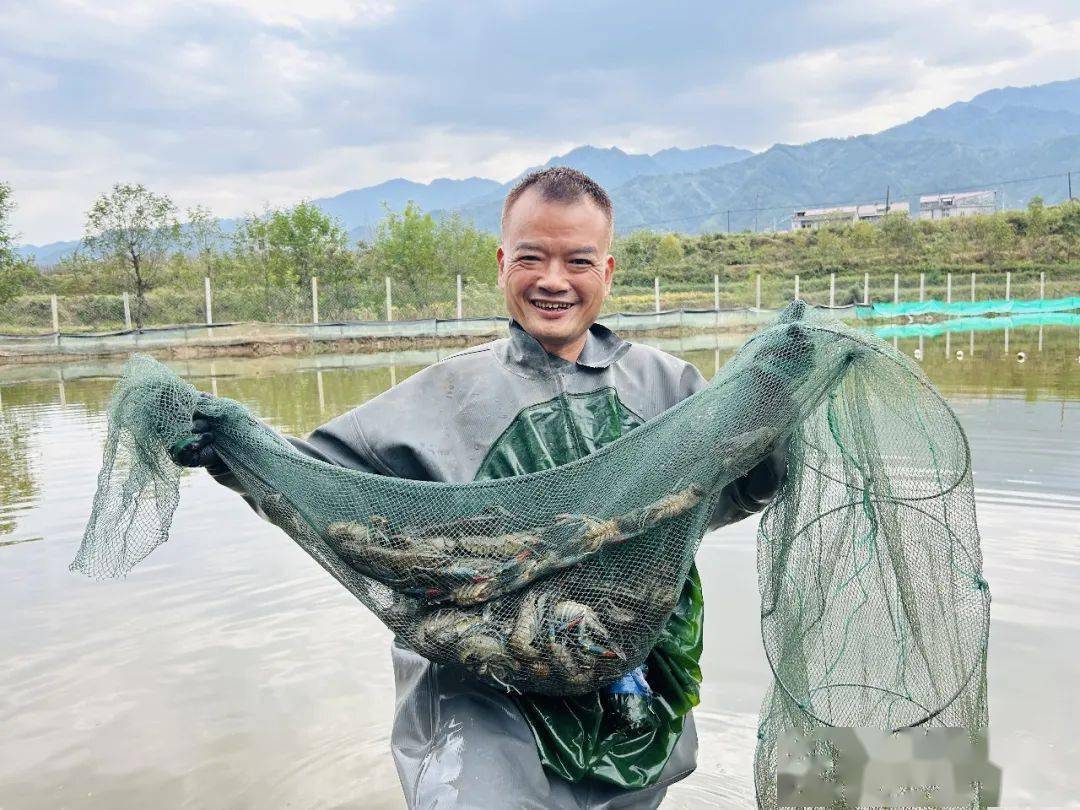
x,y
675,161
999,135
1002,127
50,254
834,172
359,210
1063,96
612,166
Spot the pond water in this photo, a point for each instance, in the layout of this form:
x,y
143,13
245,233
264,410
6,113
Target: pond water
x,y
230,671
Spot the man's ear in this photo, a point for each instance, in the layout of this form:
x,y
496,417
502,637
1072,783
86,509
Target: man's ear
x,y
609,271
500,256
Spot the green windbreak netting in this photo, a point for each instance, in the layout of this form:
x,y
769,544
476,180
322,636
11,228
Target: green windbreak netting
x,y
968,308
874,609
995,324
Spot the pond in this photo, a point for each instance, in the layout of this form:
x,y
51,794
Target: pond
x,y
230,671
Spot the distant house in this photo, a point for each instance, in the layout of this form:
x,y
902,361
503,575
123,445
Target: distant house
x,y
965,204
868,212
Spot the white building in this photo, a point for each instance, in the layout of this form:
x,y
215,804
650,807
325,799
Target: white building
x,y
869,212
965,204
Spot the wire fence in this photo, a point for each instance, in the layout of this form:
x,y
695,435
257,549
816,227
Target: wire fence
x,y
218,312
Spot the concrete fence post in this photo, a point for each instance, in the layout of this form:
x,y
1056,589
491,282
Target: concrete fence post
x,y
948,288
973,288
922,286
55,317
716,291
389,301
459,309
896,288
757,292
1008,287
1042,285
866,289
832,289
796,285
314,299
127,312
656,293
209,302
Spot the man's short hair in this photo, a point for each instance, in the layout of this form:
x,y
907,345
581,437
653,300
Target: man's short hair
x,y
562,184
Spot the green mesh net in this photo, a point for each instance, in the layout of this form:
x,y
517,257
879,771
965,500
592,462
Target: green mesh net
x,y
874,610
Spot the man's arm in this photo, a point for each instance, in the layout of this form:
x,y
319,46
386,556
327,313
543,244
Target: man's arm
x,y
755,490
329,443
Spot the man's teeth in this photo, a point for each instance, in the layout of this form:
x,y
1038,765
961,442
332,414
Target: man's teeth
x,y
548,305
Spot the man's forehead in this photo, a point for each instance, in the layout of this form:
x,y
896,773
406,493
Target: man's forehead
x,y
555,225
532,209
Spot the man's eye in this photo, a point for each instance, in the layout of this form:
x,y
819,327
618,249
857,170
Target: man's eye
x,y
528,258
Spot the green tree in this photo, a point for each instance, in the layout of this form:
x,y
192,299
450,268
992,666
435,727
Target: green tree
x,y
258,266
406,248
280,250
463,249
204,237
308,241
669,252
635,256
16,273
135,229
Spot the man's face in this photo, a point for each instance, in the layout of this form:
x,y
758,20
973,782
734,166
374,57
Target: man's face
x,y
555,269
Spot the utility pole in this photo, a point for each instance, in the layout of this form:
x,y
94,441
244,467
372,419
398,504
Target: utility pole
x,y
757,200
887,190
729,221
1070,185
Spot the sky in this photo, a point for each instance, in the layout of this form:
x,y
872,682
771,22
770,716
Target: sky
x,y
237,104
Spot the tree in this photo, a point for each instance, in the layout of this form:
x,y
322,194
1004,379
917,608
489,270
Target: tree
x,y
258,265
204,237
309,242
463,249
406,248
136,229
669,252
282,249
15,272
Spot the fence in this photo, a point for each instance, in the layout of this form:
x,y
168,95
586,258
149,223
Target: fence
x,y
218,313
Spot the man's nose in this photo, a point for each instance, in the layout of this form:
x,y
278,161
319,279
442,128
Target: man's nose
x,y
554,277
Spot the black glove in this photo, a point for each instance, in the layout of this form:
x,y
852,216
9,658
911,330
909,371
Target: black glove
x,y
196,450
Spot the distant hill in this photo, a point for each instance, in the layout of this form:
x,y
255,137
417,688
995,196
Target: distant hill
x,y
834,171
359,210
50,254
1002,134
611,168
1063,96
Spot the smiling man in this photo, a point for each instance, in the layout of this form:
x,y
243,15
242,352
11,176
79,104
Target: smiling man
x,y
557,388
554,264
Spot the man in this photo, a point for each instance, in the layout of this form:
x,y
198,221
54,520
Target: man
x,y
559,387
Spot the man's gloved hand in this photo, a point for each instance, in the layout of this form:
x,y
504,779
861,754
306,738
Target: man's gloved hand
x,y
196,450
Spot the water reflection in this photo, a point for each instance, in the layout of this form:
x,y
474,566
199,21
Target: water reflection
x,y
237,674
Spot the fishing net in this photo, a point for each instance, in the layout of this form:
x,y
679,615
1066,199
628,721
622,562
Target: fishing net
x,y
874,610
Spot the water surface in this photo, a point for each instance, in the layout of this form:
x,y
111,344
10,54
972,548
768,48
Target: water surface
x,y
230,671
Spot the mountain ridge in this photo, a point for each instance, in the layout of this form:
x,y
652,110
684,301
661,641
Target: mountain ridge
x,y
996,135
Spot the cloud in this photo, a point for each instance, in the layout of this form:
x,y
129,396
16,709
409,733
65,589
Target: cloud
x,y
236,102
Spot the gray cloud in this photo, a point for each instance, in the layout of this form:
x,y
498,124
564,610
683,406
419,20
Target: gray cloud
x,y
234,102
